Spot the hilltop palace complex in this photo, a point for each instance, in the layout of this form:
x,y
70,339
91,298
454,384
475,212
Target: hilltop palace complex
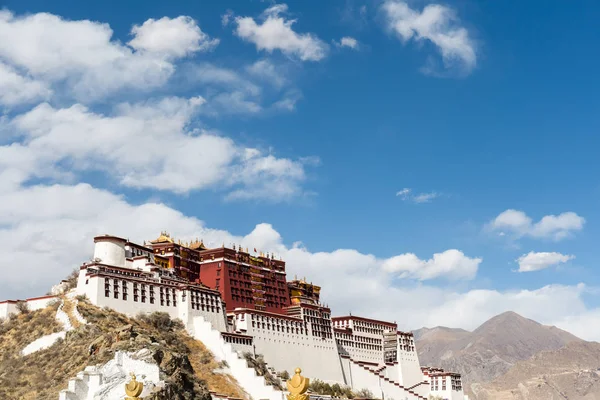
x,y
236,302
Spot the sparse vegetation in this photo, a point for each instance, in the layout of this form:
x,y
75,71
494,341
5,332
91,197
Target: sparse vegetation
x,y
284,375
186,365
364,394
335,390
72,280
22,307
260,366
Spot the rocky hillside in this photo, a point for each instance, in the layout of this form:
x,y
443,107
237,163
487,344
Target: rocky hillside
x,y
187,368
572,372
490,350
432,342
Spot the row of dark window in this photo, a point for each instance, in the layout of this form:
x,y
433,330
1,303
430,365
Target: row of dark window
x,y
237,340
280,328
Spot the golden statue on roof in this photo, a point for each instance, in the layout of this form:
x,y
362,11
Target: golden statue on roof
x,y
133,388
163,238
297,386
197,245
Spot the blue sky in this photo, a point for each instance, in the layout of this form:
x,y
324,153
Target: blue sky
x,y
481,107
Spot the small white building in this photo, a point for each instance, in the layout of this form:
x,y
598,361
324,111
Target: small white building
x,y
8,307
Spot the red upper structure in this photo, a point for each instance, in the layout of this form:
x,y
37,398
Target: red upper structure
x,y
246,281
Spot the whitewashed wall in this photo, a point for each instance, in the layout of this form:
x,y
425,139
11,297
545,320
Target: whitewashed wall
x,y
318,358
246,377
7,308
410,370
93,288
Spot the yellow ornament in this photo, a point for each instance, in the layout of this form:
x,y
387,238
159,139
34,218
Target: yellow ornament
x,y
297,386
133,389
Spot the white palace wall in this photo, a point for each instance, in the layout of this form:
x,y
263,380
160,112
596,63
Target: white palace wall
x,y
94,287
409,368
286,350
8,307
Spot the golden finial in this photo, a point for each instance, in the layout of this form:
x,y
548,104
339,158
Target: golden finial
x,y
133,389
297,386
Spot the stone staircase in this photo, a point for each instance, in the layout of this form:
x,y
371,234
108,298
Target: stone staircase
x,y
87,381
253,384
379,383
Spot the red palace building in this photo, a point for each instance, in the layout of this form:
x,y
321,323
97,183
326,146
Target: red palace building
x,y
244,281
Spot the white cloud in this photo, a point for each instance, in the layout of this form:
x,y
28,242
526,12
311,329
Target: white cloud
x,y
226,18
268,72
437,24
17,89
349,42
173,38
276,33
541,260
425,197
406,194
251,89
145,145
554,227
83,56
451,264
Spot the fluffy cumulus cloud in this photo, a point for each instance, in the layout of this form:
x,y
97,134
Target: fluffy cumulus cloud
x,y
160,143
274,32
144,145
452,264
535,261
407,194
18,89
519,224
168,37
437,24
84,56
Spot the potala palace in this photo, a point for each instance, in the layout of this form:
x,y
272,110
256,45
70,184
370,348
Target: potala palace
x,y
237,302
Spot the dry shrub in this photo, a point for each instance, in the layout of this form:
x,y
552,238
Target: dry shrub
x,y
22,307
72,279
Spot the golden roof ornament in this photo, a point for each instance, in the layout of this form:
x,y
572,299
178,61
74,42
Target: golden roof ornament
x,y
297,386
197,245
133,389
164,237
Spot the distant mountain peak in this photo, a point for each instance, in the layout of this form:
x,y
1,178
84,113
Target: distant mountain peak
x,y
492,348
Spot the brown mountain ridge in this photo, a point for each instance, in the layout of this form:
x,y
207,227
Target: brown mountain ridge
x,y
491,350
